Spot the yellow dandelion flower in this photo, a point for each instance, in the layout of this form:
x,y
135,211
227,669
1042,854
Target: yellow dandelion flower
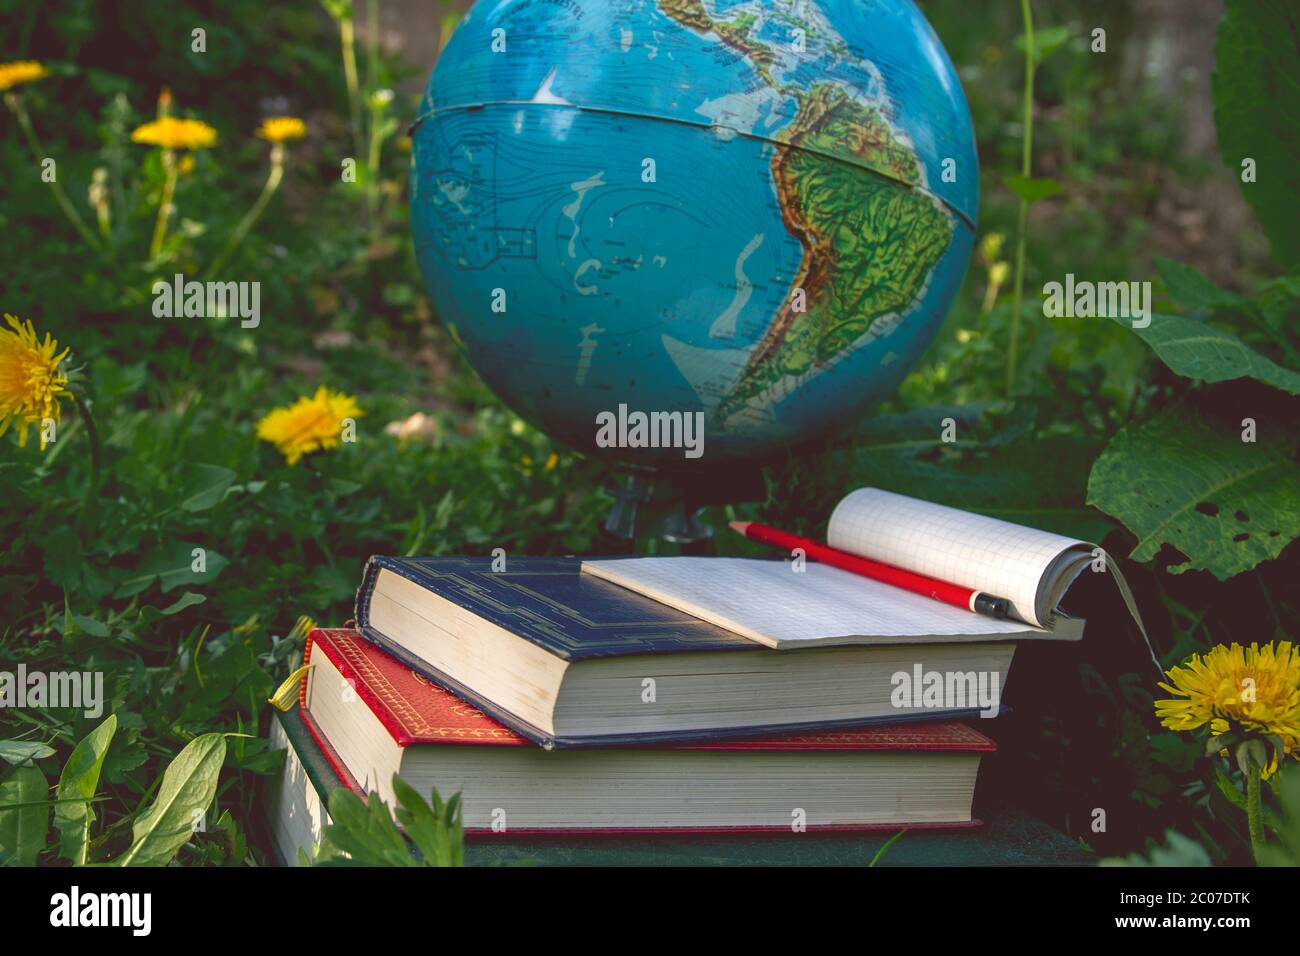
x,y
1253,689
991,245
22,71
31,384
309,424
171,132
301,628
282,129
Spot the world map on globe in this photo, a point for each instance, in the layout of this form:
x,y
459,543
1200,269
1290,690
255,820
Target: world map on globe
x,y
757,210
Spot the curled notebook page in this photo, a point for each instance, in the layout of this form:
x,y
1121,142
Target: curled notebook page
x,y
767,602
1030,568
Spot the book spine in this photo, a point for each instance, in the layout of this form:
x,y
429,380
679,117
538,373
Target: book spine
x,y
361,609
377,706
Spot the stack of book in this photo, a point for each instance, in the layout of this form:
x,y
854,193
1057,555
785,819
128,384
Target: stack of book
x,y
678,694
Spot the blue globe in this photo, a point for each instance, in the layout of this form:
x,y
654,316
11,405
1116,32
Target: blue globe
x,y
755,214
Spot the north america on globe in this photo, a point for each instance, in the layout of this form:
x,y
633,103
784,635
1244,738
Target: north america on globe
x,y
744,209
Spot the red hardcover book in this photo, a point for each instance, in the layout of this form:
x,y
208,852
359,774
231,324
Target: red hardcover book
x,y
373,716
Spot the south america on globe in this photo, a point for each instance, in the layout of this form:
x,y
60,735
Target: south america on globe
x,y
752,213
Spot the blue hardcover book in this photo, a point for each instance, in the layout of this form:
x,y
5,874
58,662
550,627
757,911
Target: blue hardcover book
x,y
571,660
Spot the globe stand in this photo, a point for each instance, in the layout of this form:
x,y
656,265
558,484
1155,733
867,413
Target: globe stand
x,y
671,502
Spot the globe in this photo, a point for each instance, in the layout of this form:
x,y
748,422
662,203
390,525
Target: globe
x,y
749,217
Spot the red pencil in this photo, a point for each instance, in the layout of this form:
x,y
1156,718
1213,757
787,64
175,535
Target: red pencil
x,y
977,601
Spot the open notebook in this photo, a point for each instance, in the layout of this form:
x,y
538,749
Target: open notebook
x,y
774,604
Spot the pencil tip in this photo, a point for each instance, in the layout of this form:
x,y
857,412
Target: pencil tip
x,y
739,526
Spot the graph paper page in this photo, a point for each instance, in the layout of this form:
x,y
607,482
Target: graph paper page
x,y
975,551
769,602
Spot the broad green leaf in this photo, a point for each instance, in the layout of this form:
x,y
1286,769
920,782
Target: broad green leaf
x,y
1047,40
1192,290
1178,850
22,751
149,613
172,567
79,781
362,833
380,823
436,831
998,466
1225,503
175,575
332,582
455,828
188,785
188,599
418,820
65,558
22,829
1256,76
1033,190
286,695
90,626
203,486
1198,350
